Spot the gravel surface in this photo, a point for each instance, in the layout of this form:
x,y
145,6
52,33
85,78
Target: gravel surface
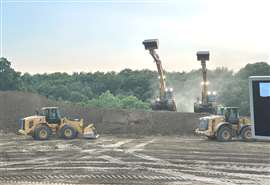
x,y
156,160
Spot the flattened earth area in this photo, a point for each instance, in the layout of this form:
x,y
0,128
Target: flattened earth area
x,y
142,160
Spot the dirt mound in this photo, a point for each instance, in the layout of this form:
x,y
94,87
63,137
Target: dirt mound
x,y
15,105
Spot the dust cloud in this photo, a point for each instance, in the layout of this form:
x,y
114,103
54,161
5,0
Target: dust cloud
x,y
187,86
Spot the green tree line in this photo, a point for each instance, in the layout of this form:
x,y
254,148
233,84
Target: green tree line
x,y
133,89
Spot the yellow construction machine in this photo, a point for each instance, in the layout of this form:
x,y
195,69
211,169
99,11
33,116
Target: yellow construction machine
x,y
226,125
207,104
165,100
49,122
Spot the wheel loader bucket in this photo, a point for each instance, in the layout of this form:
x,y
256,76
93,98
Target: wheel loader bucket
x,y
89,132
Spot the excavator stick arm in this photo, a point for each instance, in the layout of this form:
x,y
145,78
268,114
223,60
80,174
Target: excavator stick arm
x,y
203,56
162,84
151,45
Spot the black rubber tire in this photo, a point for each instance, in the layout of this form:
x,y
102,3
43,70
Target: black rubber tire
x,y
224,134
68,132
42,133
246,133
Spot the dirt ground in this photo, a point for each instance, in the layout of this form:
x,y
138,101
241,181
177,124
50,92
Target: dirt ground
x,y
155,160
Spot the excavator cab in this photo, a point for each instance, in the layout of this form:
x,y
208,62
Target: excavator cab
x,y
212,98
169,93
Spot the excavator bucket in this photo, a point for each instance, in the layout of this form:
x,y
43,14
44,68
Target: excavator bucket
x,y
89,132
203,55
150,44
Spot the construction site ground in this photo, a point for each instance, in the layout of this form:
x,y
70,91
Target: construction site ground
x,y
144,160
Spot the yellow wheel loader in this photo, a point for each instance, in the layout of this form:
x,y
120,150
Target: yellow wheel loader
x,y
166,100
49,122
225,126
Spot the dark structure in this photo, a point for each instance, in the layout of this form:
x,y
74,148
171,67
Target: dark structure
x,y
259,91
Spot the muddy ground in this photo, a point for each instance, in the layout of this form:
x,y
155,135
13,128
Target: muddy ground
x,y
155,160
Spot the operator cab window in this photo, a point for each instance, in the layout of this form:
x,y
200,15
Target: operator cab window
x,y
52,116
169,95
233,116
212,98
264,89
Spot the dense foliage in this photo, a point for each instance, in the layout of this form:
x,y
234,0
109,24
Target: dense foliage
x,y
9,78
133,89
108,100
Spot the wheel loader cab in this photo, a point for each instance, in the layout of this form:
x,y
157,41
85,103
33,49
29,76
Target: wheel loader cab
x,y
220,110
51,114
232,115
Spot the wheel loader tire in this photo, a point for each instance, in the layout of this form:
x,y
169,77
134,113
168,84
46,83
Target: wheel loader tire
x,y
42,133
224,133
68,132
246,133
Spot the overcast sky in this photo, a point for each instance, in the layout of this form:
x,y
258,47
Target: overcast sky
x,y
48,36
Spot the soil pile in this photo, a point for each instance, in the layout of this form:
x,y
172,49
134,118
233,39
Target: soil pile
x,y
15,105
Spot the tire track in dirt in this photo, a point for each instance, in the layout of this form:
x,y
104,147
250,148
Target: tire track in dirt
x,y
131,161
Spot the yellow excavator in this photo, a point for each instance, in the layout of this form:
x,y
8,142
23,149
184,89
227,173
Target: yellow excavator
x,y
207,103
49,122
165,100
